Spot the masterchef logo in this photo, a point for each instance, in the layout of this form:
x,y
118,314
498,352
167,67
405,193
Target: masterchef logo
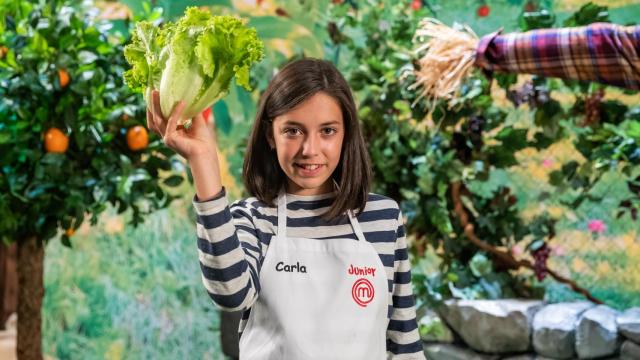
x,y
362,292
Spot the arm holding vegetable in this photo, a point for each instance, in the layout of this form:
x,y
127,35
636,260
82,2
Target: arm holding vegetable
x,y
602,52
198,145
192,62
230,271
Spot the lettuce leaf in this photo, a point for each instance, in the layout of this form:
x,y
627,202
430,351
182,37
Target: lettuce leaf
x,y
193,59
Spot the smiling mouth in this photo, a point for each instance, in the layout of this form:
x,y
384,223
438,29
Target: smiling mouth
x,y
308,166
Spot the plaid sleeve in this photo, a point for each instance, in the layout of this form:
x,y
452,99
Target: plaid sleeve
x,y
601,52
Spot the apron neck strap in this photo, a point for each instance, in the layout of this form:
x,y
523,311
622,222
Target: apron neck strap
x,y
282,215
281,232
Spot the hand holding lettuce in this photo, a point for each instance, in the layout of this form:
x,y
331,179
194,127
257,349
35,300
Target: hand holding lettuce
x,y
193,59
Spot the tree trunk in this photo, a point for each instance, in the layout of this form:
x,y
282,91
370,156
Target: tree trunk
x,y
8,282
30,294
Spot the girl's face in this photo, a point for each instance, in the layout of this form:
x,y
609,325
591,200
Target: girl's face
x,y
308,141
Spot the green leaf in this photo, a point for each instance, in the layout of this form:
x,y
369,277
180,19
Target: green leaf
x,y
537,20
513,139
66,241
173,180
439,216
633,130
500,158
556,178
480,265
588,14
505,80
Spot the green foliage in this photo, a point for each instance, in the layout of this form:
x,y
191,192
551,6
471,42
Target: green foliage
x,y
417,156
588,13
43,192
144,300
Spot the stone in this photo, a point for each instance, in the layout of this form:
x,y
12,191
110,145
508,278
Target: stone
x,y
554,329
629,324
493,326
453,352
433,329
522,357
629,351
597,333
531,357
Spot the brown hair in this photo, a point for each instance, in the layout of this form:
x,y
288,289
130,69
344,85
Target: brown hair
x,y
295,83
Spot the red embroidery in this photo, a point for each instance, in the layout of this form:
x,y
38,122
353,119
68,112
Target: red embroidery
x,y
362,292
361,271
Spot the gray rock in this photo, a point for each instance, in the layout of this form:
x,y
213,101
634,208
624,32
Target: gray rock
x,y
453,352
433,329
629,351
629,324
554,329
540,357
597,333
522,357
528,357
493,326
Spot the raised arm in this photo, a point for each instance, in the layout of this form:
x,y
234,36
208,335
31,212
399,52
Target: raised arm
x,y
602,52
228,246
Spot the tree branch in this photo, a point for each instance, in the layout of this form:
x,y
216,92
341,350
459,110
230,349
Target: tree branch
x,y
505,256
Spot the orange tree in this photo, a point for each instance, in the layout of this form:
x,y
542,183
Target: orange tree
x,y
72,139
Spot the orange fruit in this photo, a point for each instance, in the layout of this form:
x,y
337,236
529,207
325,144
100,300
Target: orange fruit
x,y
3,51
63,77
69,232
55,141
137,138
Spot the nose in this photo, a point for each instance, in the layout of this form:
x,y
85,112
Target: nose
x,y
310,145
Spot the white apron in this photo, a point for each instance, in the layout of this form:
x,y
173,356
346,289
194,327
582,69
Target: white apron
x,y
319,299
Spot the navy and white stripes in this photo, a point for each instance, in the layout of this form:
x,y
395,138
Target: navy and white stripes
x,y
232,241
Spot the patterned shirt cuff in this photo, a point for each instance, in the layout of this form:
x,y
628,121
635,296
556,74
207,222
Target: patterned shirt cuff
x,y
218,202
484,60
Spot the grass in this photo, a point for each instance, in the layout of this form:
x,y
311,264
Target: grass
x,y
125,293
606,265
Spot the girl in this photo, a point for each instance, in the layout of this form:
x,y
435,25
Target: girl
x,y
318,264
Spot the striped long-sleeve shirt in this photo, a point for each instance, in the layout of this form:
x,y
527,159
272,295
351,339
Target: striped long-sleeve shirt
x,y
601,52
233,240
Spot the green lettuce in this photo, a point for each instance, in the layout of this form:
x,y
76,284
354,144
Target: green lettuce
x,y
193,59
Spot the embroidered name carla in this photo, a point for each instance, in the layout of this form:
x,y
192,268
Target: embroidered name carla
x,y
361,270
281,266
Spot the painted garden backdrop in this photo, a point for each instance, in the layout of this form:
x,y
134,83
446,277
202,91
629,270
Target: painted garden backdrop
x,y
538,172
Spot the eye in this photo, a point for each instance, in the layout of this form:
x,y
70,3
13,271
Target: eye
x,y
329,131
292,131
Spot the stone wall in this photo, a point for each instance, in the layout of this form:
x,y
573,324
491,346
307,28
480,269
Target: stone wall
x,y
527,329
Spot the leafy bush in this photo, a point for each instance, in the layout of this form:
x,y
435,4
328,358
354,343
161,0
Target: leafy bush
x,y
445,168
